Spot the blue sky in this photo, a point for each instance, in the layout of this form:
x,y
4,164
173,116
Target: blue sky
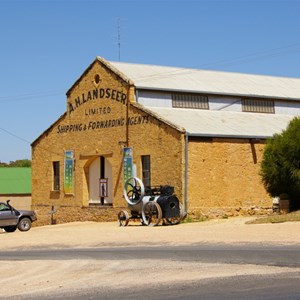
x,y
46,46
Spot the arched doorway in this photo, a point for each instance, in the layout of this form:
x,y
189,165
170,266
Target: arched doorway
x,y
100,182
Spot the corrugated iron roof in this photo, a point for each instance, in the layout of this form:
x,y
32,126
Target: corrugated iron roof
x,y
15,180
210,82
225,123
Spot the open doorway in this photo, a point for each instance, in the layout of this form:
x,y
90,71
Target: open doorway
x,y
100,182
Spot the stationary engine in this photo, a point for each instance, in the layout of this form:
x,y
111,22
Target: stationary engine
x,y
150,205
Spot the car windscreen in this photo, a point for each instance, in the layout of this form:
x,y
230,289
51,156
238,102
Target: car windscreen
x,y
4,207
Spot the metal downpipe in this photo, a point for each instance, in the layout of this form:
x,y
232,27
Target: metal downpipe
x,y
186,173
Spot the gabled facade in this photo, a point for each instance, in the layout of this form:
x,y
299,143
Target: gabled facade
x,y
207,142
101,119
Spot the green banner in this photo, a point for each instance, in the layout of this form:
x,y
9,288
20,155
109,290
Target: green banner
x,y
69,172
127,164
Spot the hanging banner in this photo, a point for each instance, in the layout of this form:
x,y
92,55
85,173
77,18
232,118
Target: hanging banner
x,y
127,164
69,172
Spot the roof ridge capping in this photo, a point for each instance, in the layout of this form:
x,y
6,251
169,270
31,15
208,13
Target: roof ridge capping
x,y
115,70
197,69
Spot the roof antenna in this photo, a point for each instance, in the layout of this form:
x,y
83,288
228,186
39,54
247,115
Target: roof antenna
x,y
119,38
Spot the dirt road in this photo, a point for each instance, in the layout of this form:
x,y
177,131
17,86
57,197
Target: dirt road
x,y
24,279
91,234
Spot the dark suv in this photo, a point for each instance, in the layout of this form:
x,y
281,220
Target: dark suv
x,y
11,219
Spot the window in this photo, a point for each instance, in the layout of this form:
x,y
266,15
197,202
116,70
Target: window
x,y
146,170
190,101
258,106
4,207
56,179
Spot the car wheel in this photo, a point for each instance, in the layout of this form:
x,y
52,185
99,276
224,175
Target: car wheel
x,y
24,224
10,228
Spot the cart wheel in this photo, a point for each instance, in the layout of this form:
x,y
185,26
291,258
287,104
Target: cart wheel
x,y
123,218
142,222
151,213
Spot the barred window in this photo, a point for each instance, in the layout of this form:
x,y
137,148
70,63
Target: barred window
x,y
258,106
190,101
146,170
56,178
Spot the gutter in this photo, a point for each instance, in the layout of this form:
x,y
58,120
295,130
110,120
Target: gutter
x,y
186,154
215,93
230,136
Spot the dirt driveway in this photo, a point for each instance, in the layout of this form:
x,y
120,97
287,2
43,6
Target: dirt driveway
x,y
26,279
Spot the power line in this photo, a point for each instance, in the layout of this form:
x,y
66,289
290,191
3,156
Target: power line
x,y
257,56
228,62
27,142
14,135
32,96
176,70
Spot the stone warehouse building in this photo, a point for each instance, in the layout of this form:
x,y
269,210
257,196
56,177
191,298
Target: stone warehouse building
x,y
202,132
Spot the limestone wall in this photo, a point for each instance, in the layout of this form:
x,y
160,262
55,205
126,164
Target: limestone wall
x,y
65,214
224,177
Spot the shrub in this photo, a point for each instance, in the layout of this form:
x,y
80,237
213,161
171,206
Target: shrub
x,y
280,167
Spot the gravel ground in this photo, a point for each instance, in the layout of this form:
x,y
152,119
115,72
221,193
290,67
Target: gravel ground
x,y
27,279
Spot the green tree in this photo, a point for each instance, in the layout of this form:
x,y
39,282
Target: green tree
x,y
280,167
18,163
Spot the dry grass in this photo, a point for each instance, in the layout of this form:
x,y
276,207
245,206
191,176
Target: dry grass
x,y
280,218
